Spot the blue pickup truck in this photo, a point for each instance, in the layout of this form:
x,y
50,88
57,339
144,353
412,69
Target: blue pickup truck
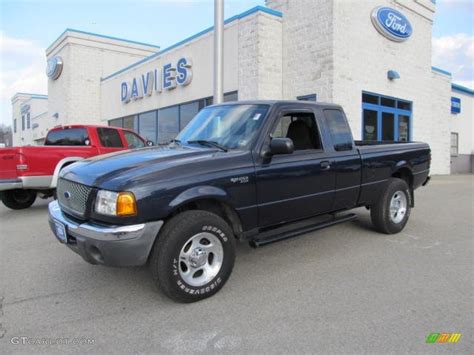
x,y
255,171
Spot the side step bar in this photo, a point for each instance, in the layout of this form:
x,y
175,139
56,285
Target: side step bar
x,y
255,243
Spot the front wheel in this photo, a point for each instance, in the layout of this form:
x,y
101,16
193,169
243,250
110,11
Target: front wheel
x,y
18,199
390,214
193,256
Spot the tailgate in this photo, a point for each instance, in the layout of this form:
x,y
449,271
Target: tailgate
x,y
9,158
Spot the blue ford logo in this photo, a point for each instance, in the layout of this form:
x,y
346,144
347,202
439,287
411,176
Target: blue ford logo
x,y
391,23
67,195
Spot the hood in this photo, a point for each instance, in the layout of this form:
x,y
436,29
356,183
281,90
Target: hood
x,y
116,170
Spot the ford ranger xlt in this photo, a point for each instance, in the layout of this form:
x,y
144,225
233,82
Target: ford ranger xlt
x,y
255,171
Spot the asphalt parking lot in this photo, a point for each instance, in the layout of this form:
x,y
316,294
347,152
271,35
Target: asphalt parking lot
x,y
344,289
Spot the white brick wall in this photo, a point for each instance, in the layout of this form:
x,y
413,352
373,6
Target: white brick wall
x,y
75,96
462,123
332,49
260,57
307,47
38,106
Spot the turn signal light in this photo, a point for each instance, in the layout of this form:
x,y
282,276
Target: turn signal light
x,y
126,204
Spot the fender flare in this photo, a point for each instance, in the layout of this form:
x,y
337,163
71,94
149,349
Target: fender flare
x,y
198,193
58,168
402,164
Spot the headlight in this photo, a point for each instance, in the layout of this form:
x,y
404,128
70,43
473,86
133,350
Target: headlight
x,y
115,203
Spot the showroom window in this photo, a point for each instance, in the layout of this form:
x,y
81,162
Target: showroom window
x,y
161,126
147,125
168,124
310,97
385,118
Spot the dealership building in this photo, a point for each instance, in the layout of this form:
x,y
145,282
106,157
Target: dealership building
x,y
372,57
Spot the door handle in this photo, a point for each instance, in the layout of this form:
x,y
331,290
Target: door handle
x,y
325,165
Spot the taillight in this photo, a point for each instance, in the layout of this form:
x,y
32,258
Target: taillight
x,y
22,165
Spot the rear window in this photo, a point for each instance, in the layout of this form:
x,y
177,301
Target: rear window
x,y
68,136
109,137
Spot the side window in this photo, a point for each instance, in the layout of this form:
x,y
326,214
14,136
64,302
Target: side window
x,y
133,141
109,138
301,128
339,129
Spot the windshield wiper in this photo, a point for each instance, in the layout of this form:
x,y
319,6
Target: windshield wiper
x,y
177,141
209,144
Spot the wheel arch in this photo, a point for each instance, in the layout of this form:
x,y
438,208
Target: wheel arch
x,y
207,198
404,172
60,165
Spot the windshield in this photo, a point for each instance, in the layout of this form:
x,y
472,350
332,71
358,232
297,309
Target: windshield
x,y
230,126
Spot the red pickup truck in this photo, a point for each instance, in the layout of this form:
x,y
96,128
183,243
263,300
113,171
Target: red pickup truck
x,y
28,171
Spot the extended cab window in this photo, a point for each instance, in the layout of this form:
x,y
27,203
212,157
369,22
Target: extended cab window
x,y
339,129
68,136
133,141
301,128
109,138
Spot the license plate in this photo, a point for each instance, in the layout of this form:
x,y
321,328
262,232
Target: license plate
x,y
60,231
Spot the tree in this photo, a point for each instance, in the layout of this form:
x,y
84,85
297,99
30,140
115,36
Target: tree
x,y
6,135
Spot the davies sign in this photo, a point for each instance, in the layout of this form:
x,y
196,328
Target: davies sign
x,y
391,23
166,78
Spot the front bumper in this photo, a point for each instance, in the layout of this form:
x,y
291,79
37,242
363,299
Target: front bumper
x,y
106,245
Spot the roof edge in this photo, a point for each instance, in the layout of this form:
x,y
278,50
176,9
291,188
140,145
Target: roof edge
x,y
441,71
100,36
31,95
463,89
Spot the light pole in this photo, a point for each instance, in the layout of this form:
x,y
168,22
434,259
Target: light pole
x,y
218,51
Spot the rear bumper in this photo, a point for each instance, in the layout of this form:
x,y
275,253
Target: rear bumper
x,y
10,185
107,245
41,182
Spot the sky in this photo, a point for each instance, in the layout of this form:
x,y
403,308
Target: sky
x,y
28,27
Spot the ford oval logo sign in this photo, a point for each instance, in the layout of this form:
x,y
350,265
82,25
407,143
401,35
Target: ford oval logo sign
x,y
392,24
67,195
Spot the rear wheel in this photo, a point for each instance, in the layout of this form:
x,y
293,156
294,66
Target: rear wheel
x,y
390,214
18,199
193,256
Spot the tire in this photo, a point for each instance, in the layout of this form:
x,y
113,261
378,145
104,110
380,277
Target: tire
x,y
189,242
18,199
387,220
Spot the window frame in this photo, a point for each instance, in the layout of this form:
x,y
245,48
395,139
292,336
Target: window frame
x,y
100,136
87,137
380,109
125,132
285,112
308,97
454,134
329,132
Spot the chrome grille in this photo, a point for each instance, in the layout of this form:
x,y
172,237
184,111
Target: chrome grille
x,y
72,196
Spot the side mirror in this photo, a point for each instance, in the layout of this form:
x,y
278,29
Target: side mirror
x,y
280,146
150,143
